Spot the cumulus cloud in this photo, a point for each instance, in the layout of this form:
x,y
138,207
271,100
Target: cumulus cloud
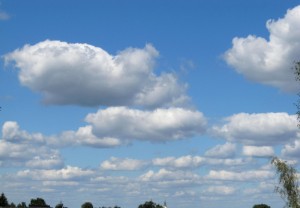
x,y
292,149
20,148
66,173
254,151
222,151
263,129
107,128
270,61
122,164
84,137
181,162
11,132
157,125
82,74
168,177
239,176
45,161
191,162
221,190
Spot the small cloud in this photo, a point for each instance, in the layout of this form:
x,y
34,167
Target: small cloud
x,y
261,129
225,175
221,190
4,15
254,151
122,164
222,151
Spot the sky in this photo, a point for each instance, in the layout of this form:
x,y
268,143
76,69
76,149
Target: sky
x,y
122,102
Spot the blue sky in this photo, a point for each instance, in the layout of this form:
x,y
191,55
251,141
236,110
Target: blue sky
x,y
120,102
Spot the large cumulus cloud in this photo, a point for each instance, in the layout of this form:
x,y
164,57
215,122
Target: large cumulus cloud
x,y
270,61
82,74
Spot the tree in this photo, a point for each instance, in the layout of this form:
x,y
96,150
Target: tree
x,y
3,201
60,205
261,206
150,204
12,205
38,202
87,205
288,184
22,205
297,74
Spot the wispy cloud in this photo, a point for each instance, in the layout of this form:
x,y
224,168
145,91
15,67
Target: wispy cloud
x,y
4,15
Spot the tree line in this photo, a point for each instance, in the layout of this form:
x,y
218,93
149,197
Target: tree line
x,y
41,203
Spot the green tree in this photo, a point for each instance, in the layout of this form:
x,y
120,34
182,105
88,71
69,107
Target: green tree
x,y
60,205
87,205
288,187
150,204
3,201
261,206
38,202
297,74
12,205
22,205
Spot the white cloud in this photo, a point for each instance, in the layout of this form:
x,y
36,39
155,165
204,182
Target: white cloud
x,y
4,15
67,173
191,162
239,176
86,75
45,161
254,151
264,129
11,132
292,150
222,151
176,177
220,190
84,136
181,162
270,61
157,125
20,148
60,183
111,127
122,164
227,162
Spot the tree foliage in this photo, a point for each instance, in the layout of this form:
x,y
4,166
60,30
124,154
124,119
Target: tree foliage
x,y
59,205
297,74
150,204
38,202
261,206
288,183
3,201
22,205
87,205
